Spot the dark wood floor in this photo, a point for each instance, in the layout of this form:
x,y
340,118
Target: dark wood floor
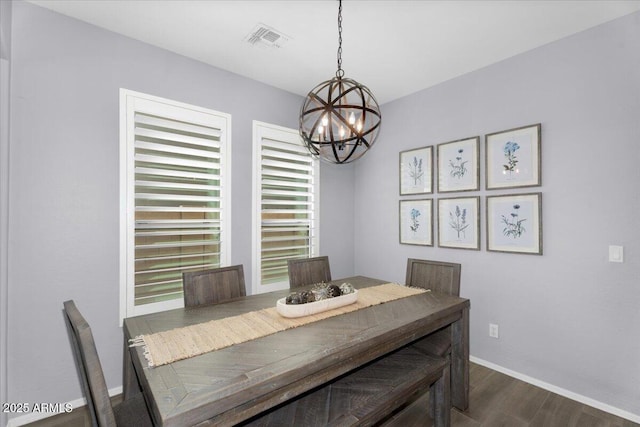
x,y
496,400
499,400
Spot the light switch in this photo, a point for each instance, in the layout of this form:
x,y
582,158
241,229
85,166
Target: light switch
x,y
616,253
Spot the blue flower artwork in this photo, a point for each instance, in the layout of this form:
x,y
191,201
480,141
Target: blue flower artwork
x,y
513,226
458,168
510,149
458,221
415,170
416,222
415,213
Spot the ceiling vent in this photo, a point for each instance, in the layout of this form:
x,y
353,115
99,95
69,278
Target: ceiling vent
x,y
265,36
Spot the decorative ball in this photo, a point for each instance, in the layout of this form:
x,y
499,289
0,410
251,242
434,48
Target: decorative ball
x,y
293,298
306,297
320,290
334,291
346,288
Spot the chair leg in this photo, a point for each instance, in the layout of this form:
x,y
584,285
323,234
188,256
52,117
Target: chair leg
x,y
130,385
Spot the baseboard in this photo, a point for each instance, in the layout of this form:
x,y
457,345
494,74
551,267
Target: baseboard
x,y
33,417
560,391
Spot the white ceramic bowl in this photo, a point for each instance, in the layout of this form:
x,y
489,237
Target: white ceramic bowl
x,y
300,310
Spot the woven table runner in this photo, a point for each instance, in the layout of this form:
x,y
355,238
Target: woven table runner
x,y
181,343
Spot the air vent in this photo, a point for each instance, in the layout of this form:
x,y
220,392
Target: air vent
x,y
265,36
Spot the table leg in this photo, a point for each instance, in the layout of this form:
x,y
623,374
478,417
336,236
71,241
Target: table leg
x,y
460,362
130,385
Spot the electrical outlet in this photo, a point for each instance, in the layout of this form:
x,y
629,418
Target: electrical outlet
x,y
493,330
616,253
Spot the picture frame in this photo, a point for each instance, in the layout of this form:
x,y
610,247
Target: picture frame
x,y
416,222
514,223
416,171
459,223
513,158
459,165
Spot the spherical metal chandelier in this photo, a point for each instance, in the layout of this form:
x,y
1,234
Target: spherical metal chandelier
x,y
340,118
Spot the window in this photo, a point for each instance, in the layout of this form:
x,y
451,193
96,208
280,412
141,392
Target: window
x,y
174,183
285,190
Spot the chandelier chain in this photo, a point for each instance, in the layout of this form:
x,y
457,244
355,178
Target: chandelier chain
x,y
340,72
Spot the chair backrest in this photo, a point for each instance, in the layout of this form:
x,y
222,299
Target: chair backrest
x,y
88,364
308,271
213,286
438,276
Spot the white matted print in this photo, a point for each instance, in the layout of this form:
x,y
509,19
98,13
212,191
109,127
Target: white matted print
x,y
514,223
416,222
513,158
459,223
459,165
416,171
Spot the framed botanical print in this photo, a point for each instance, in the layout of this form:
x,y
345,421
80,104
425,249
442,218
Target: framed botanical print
x,y
514,223
416,171
513,158
416,222
459,165
459,223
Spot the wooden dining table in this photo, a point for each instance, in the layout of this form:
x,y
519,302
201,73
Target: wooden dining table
x,y
227,386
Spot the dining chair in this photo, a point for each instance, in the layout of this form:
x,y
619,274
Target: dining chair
x,y
131,412
442,277
213,286
308,271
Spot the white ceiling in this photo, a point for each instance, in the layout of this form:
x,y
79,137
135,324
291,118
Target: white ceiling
x,y
393,47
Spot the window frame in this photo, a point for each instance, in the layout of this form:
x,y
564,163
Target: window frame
x,y
132,102
261,130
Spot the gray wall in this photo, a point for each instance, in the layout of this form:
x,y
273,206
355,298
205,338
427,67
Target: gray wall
x,y
568,318
64,195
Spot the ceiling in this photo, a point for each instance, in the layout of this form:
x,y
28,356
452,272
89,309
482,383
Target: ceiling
x,y
394,47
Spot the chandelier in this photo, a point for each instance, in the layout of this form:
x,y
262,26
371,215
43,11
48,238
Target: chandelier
x,y
340,118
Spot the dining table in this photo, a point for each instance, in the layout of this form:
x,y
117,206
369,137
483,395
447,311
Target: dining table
x,y
237,382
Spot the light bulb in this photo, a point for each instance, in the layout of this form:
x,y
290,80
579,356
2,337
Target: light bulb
x,y
352,118
325,120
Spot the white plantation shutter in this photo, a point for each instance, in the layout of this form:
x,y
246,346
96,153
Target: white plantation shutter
x,y
175,162
286,182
